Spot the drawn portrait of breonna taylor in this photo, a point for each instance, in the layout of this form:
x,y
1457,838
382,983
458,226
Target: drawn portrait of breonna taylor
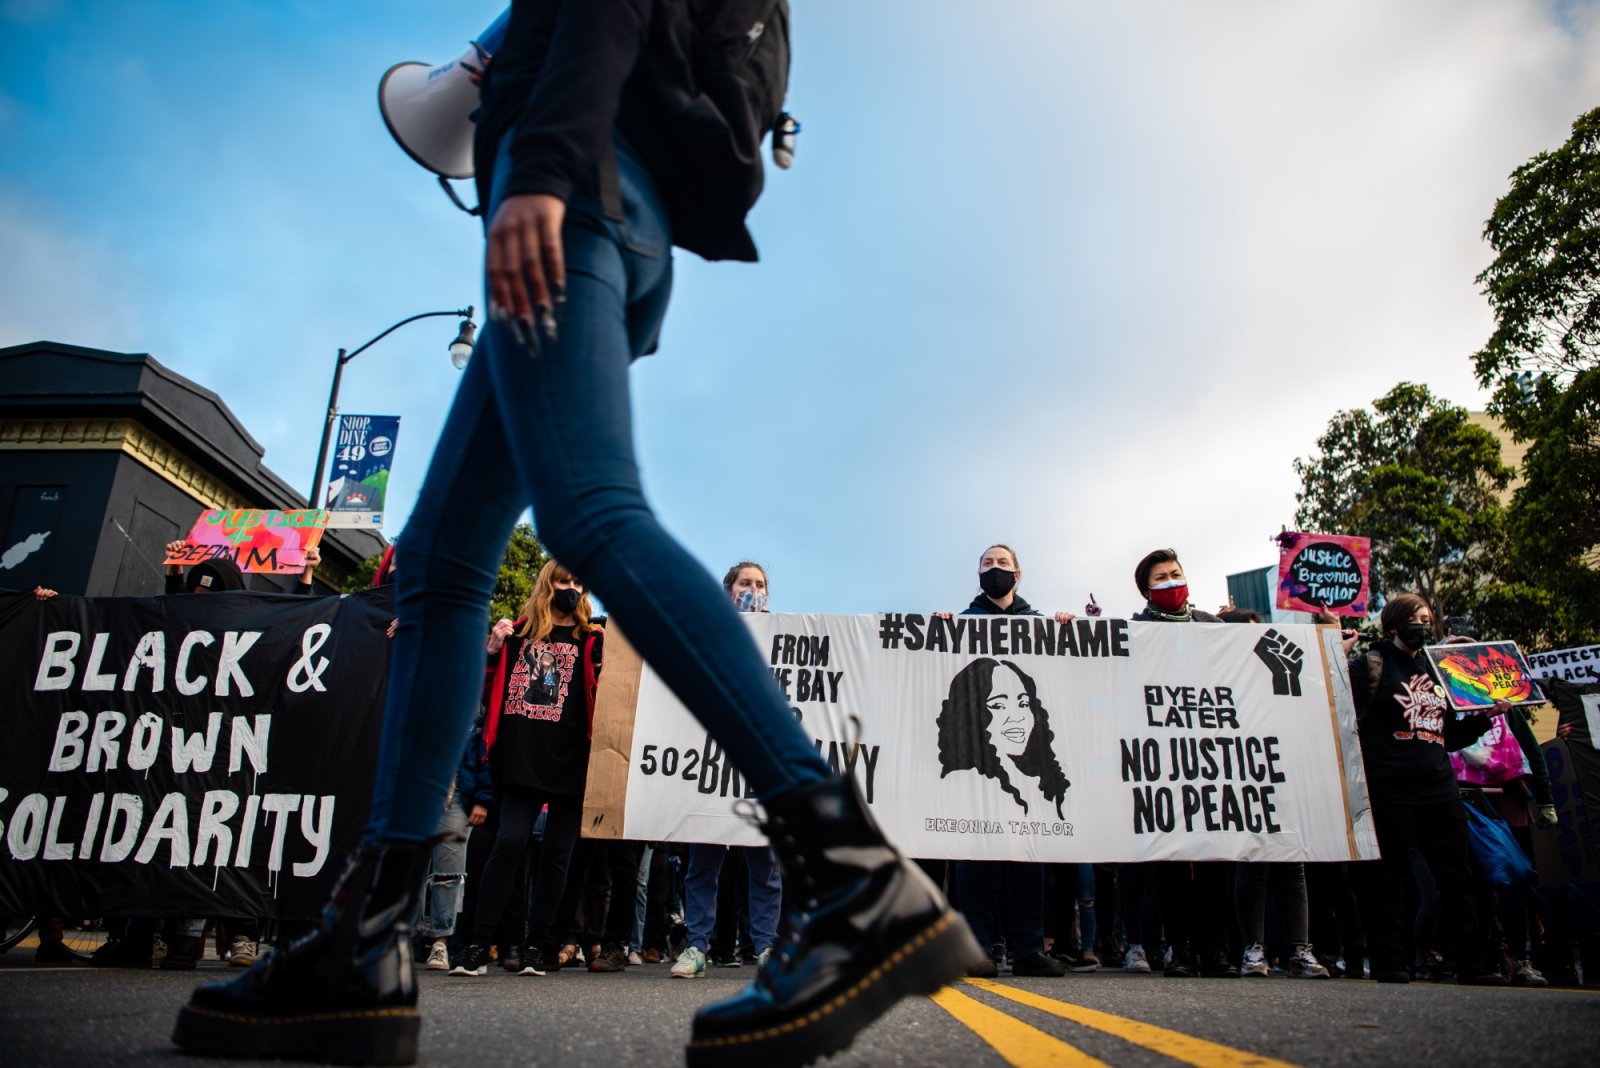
x,y
992,723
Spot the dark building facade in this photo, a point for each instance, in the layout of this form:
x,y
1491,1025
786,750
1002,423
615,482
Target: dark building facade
x,y
107,456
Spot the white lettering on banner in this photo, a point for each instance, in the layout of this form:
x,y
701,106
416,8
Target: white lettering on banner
x,y
34,829
145,667
56,670
190,753
1017,738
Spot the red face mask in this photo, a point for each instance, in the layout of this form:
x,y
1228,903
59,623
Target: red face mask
x,y
1170,597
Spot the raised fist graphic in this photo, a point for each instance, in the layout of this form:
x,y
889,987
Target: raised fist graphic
x,y
1284,659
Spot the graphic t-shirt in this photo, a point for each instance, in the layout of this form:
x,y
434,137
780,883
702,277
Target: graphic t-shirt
x,y
1407,728
543,740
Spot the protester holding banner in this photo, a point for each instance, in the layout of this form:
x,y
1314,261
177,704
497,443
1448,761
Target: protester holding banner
x,y
1288,879
543,672
551,396
746,585
979,883
1194,896
1407,730
187,939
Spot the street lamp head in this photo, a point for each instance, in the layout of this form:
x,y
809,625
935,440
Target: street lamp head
x,y
461,347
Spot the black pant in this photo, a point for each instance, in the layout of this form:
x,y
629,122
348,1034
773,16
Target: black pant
x,y
598,907
1439,832
1196,906
519,808
1335,919
513,926
1141,919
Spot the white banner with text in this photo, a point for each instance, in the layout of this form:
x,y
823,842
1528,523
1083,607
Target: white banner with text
x,y
1018,738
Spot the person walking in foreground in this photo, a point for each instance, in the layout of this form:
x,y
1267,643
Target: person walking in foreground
x,y
591,177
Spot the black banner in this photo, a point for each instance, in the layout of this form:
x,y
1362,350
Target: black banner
x,y
193,755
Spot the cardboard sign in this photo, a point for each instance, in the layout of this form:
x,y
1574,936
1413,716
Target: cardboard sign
x,y
1579,664
1477,674
1113,740
1324,573
260,540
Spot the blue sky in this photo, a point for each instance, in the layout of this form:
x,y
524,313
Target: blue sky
x,y
1080,277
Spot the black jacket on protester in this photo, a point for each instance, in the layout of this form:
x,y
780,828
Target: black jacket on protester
x,y
1407,728
568,73
982,606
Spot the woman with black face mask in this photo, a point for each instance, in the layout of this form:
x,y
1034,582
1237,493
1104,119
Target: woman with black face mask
x,y
980,883
1407,730
542,676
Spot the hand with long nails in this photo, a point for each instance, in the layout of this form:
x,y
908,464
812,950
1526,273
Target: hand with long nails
x,y
526,267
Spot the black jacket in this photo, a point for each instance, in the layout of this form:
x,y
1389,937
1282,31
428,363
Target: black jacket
x,y
1407,728
1147,614
982,606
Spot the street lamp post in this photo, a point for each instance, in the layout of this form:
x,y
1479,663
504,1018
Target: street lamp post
x,y
460,352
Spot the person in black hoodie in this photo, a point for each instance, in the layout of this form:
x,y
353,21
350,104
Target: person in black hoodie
x,y
1407,731
1196,899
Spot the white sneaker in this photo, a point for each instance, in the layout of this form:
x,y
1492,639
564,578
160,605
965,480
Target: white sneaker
x,y
1135,961
1305,965
439,957
691,964
764,956
634,958
1527,975
1255,961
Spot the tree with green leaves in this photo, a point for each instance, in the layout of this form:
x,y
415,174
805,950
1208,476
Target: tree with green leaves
x,y
521,563
1543,365
518,568
1415,476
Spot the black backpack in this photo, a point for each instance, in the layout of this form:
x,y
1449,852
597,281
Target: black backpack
x,y
707,90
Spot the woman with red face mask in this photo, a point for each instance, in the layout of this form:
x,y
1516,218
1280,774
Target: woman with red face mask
x,y
1195,900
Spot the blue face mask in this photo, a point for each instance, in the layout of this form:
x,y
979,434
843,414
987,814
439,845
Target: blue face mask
x,y
748,600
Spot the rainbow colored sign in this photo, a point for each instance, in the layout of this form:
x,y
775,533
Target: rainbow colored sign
x,y
1477,674
259,540
1324,573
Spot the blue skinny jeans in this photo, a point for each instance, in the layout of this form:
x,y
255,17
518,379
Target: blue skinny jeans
x,y
550,425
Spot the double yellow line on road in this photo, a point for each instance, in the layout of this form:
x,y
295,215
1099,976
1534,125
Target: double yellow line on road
x,y
1025,1046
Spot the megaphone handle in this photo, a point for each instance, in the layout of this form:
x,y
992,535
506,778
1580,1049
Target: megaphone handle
x,y
449,191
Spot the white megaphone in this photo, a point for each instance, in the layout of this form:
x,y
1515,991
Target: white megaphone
x,y
429,109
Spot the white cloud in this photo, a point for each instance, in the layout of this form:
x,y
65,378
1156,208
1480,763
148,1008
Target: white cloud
x,y
60,284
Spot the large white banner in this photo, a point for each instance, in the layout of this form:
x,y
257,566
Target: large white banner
x,y
1001,737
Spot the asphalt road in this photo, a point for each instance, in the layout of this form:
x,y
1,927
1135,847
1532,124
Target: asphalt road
x,y
77,1016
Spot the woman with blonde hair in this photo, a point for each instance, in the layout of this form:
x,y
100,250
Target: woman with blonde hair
x,y
541,680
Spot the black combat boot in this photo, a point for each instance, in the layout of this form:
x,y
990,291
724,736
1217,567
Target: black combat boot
x,y
344,994
868,929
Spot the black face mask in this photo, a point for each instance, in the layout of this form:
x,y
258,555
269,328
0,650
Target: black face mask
x,y
1414,635
565,602
997,581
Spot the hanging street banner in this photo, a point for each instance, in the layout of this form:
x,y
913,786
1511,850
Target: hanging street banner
x,y
1581,664
1324,573
359,480
260,540
190,755
1015,738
